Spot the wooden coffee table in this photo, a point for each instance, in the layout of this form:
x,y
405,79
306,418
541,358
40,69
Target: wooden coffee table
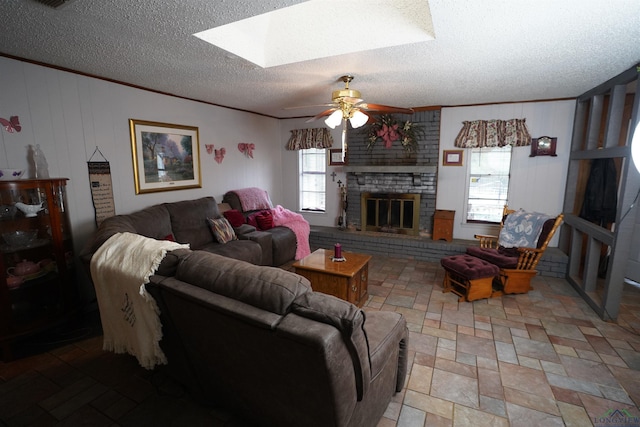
x,y
347,280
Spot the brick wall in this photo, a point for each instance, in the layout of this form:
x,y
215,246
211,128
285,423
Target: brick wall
x,y
426,155
553,263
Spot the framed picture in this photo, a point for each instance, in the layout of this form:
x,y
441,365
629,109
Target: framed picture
x,y
335,157
543,146
452,158
165,156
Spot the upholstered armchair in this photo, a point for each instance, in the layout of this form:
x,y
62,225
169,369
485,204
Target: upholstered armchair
x,y
517,249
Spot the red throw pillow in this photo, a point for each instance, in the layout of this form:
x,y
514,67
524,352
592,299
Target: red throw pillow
x,y
265,220
235,217
251,219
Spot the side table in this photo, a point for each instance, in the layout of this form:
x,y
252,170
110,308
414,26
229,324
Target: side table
x,y
443,225
347,280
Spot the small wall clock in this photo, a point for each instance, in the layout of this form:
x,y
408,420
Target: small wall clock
x,y
543,146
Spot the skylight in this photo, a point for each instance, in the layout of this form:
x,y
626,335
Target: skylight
x,y
323,28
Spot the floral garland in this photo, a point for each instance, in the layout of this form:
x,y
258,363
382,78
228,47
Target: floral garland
x,y
390,130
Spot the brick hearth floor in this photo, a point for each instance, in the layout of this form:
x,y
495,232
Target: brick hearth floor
x,y
543,358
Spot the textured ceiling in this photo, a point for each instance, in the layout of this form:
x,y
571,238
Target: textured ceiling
x,y
483,52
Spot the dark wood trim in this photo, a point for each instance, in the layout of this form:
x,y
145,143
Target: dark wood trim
x,y
80,73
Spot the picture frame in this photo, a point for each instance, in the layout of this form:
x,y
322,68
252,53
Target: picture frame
x,y
543,146
165,156
335,157
452,158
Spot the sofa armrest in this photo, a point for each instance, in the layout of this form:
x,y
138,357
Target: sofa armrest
x,y
264,239
244,229
349,320
388,338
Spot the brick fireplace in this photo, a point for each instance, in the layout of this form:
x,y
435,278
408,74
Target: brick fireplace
x,y
393,171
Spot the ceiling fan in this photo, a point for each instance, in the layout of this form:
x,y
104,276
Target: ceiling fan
x,y
348,105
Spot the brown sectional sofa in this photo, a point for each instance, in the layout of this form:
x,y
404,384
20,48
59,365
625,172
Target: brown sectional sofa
x,y
185,222
257,340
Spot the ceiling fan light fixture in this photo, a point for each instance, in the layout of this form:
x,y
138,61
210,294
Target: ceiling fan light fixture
x,y
334,119
349,95
358,119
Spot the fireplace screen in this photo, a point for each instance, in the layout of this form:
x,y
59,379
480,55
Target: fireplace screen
x,y
390,212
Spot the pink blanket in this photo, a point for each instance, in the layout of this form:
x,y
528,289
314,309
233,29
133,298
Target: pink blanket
x,y
297,224
253,198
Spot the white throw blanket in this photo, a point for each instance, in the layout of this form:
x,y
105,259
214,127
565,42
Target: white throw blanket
x,y
130,322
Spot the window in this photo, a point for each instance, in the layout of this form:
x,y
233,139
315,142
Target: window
x,y
313,167
488,183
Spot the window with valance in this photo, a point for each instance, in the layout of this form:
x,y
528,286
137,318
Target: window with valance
x,y
302,139
493,133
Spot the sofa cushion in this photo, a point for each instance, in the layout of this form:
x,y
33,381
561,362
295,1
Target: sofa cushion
x,y
153,222
221,230
235,217
469,267
243,250
189,220
268,288
493,256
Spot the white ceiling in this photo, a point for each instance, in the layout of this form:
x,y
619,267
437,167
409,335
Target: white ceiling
x,y
484,51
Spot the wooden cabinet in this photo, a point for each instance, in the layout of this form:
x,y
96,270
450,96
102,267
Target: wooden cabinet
x,y
348,280
37,286
443,225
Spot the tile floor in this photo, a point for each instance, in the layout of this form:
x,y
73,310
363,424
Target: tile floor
x,y
540,359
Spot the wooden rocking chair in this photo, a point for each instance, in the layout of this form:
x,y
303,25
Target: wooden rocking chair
x,y
517,265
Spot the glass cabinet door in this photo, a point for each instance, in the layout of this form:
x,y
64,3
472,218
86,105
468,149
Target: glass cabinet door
x,y
36,256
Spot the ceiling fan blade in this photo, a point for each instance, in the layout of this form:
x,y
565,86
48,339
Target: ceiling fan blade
x,y
320,115
385,108
329,104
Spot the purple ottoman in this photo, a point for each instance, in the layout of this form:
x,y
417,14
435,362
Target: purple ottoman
x,y
468,276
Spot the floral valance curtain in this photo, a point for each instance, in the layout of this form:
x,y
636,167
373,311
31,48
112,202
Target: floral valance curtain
x,y
493,133
310,138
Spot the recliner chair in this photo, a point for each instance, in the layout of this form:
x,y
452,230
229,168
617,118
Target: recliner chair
x,y
517,264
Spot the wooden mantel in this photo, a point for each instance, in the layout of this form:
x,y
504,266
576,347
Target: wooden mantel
x,y
416,171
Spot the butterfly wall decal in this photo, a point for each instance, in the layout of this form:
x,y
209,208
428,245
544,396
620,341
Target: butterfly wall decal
x,y
246,149
220,155
12,124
